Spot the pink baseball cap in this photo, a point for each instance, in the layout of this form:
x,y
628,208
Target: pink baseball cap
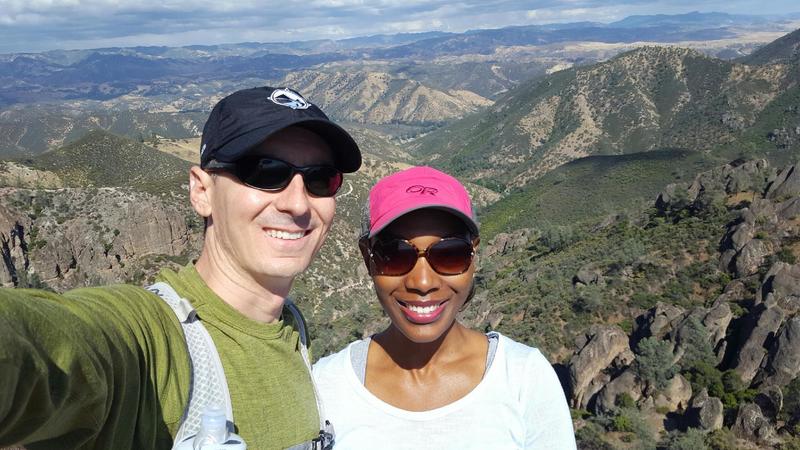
x,y
413,189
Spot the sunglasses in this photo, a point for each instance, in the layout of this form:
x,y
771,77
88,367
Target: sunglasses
x,y
448,256
268,174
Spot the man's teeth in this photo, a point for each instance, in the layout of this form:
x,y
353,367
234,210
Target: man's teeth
x,y
423,309
285,234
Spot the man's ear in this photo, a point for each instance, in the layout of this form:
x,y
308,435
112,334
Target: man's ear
x,y
200,184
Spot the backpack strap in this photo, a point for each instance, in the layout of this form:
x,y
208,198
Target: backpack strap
x,y
325,440
208,386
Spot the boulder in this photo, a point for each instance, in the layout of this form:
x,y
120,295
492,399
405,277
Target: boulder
x,y
784,359
658,321
600,346
751,257
717,320
505,243
751,424
781,286
626,383
675,396
770,400
588,275
786,184
752,353
740,235
705,412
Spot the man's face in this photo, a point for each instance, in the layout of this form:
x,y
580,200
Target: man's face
x,y
271,235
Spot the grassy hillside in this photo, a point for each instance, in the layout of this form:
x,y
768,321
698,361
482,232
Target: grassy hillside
x,y
643,100
591,188
102,159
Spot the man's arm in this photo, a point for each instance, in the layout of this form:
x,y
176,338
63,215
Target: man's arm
x,y
92,368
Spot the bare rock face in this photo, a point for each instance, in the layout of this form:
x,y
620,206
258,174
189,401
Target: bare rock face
x,y
626,383
505,243
78,237
602,344
770,400
751,257
752,353
751,424
781,287
784,360
588,275
717,320
676,395
786,184
658,321
705,412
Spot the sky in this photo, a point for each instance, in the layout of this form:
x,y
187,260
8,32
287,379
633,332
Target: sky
x,y
39,25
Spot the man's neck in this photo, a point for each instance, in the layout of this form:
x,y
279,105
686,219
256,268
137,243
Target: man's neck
x,y
259,300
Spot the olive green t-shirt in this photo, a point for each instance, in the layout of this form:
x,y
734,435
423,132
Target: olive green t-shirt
x,y
107,368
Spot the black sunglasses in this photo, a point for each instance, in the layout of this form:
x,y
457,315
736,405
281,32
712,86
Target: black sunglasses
x,y
269,174
394,257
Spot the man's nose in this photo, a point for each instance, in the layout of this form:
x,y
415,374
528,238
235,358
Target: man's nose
x,y
294,198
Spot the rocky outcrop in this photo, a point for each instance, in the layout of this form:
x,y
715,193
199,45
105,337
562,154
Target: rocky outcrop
x,y
74,237
781,287
784,360
626,383
753,351
705,412
658,321
751,424
675,396
786,184
598,348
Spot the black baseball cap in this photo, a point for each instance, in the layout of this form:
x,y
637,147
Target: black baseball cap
x,y
244,119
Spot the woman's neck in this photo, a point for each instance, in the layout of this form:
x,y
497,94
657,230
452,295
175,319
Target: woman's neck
x,y
410,355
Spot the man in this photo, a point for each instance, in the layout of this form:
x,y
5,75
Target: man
x,y
108,367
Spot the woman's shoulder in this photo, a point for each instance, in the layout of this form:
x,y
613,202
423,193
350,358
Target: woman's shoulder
x,y
521,355
335,362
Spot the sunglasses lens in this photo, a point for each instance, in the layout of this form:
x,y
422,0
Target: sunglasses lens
x,y
266,174
450,256
393,257
273,174
322,181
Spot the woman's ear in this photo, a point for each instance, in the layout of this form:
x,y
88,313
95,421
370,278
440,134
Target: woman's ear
x,y
363,245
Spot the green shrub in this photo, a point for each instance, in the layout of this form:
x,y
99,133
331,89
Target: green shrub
x,y
791,402
692,439
722,439
590,437
654,362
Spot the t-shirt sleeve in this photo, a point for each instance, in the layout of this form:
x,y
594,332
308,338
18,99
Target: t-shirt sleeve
x,y
82,369
546,411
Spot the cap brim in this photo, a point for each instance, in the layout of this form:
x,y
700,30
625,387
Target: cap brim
x,y
345,150
387,219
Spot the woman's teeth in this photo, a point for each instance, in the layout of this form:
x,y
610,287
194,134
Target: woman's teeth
x,y
423,309
285,234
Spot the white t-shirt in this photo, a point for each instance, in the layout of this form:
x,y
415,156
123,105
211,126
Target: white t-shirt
x,y
519,404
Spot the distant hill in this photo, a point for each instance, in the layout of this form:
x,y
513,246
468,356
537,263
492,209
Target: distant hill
x,y
785,50
101,159
380,98
646,99
589,189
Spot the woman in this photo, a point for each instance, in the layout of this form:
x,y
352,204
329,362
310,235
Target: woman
x,y
427,381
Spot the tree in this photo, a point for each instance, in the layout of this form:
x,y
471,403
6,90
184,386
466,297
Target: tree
x,y
654,362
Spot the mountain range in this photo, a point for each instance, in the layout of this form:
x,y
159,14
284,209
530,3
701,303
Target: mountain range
x,y
630,208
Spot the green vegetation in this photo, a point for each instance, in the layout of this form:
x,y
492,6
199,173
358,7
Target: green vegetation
x,y
654,362
101,159
591,188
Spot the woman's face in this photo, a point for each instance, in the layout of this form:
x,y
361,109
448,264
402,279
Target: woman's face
x,y
423,304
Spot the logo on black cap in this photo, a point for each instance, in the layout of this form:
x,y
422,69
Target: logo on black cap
x,y
289,98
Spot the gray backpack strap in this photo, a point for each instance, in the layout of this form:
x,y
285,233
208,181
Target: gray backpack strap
x,y
208,384
325,440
